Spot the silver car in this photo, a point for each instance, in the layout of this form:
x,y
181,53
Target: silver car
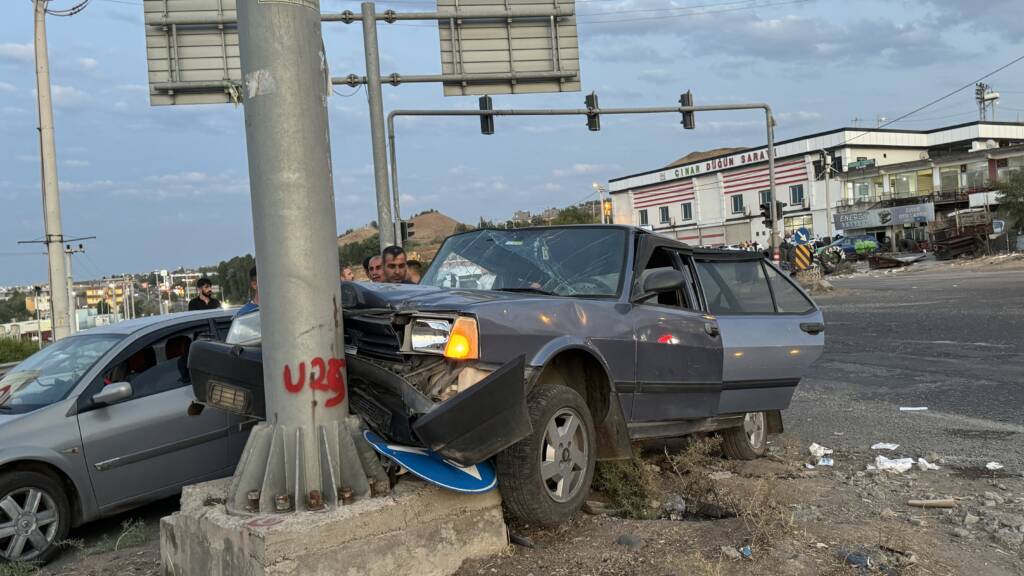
x,y
98,423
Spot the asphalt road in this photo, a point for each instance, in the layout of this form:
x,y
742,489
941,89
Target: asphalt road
x,y
946,337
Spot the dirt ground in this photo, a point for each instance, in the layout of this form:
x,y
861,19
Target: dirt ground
x,y
827,520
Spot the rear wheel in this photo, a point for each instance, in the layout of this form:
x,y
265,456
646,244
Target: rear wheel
x,y
749,441
34,516
545,477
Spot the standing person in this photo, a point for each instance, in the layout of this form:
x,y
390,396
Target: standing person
x,y
396,267
375,269
254,300
204,299
415,271
346,274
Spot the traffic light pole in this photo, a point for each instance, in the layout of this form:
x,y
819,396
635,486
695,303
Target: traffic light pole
x,y
304,455
592,112
385,222
774,241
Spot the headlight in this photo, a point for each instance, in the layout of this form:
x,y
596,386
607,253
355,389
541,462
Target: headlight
x,y
245,330
430,335
458,340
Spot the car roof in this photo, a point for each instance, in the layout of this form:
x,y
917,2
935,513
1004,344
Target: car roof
x,y
153,322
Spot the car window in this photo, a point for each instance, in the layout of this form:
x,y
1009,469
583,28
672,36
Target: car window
x,y
661,259
156,367
735,287
788,298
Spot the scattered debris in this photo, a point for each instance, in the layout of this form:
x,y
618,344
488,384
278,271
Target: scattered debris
x,y
597,508
994,466
721,475
818,450
809,466
899,465
674,507
746,552
884,446
925,465
731,553
913,408
520,540
825,461
941,503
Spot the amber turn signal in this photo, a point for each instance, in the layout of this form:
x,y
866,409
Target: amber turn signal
x,y
463,343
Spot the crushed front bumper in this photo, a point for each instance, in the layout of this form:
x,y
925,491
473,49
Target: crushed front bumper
x,y
468,428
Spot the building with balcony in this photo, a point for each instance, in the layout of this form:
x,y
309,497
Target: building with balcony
x,y
884,182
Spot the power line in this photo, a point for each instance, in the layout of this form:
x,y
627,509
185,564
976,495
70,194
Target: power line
x,y
941,98
353,93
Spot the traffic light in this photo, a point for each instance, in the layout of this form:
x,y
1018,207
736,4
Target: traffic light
x,y
405,230
593,118
778,209
487,120
686,100
607,207
766,215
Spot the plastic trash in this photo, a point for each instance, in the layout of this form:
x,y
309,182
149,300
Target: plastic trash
x,y
818,450
884,446
925,465
746,552
824,461
809,466
898,465
994,466
913,408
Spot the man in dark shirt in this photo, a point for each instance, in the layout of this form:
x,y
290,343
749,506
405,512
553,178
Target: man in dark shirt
x,y
395,265
254,301
204,300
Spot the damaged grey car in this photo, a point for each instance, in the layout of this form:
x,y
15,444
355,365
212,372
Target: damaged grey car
x,y
548,349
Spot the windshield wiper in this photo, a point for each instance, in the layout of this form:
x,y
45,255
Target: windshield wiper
x,y
526,289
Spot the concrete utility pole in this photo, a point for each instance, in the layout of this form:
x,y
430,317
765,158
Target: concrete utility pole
x,y
374,94
304,455
60,314
775,239
68,251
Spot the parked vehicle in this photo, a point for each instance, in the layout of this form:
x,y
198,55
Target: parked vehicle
x,y
582,339
853,247
96,424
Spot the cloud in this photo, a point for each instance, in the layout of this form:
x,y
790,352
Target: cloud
x,y
656,76
579,169
68,96
14,110
20,53
7,87
460,170
1004,17
611,48
71,186
76,163
88,63
180,178
26,157
551,187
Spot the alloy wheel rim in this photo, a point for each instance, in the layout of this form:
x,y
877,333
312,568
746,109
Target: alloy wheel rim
x,y
29,520
564,455
754,428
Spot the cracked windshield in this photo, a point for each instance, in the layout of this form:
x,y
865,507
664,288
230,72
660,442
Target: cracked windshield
x,y
562,262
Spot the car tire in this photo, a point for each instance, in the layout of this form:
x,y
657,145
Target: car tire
x,y
545,477
749,441
26,525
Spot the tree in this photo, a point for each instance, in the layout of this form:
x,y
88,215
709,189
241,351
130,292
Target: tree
x,y
103,307
233,278
354,253
13,309
1012,199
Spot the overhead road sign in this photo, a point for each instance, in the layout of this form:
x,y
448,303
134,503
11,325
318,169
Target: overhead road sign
x,y
527,52
192,52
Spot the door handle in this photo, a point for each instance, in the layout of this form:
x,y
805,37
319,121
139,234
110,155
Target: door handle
x,y
711,329
812,327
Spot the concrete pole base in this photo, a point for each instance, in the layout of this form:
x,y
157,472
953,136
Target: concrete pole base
x,y
418,529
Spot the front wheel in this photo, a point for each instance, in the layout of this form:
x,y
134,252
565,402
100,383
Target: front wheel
x,y
747,442
34,517
545,477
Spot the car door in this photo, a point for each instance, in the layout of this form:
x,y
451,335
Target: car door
x,y
148,444
771,330
678,349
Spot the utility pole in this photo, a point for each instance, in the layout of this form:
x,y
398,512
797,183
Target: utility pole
x,y
60,316
385,225
294,228
826,165
600,194
68,251
776,218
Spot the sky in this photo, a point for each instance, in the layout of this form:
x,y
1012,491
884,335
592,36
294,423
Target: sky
x,y
163,187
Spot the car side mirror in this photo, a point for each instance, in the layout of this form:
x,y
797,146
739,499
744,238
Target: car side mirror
x,y
112,394
661,280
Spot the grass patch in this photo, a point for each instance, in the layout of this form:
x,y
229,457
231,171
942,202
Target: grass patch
x,y
15,350
133,534
690,470
629,485
19,569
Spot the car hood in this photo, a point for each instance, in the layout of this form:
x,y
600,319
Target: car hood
x,y
402,297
